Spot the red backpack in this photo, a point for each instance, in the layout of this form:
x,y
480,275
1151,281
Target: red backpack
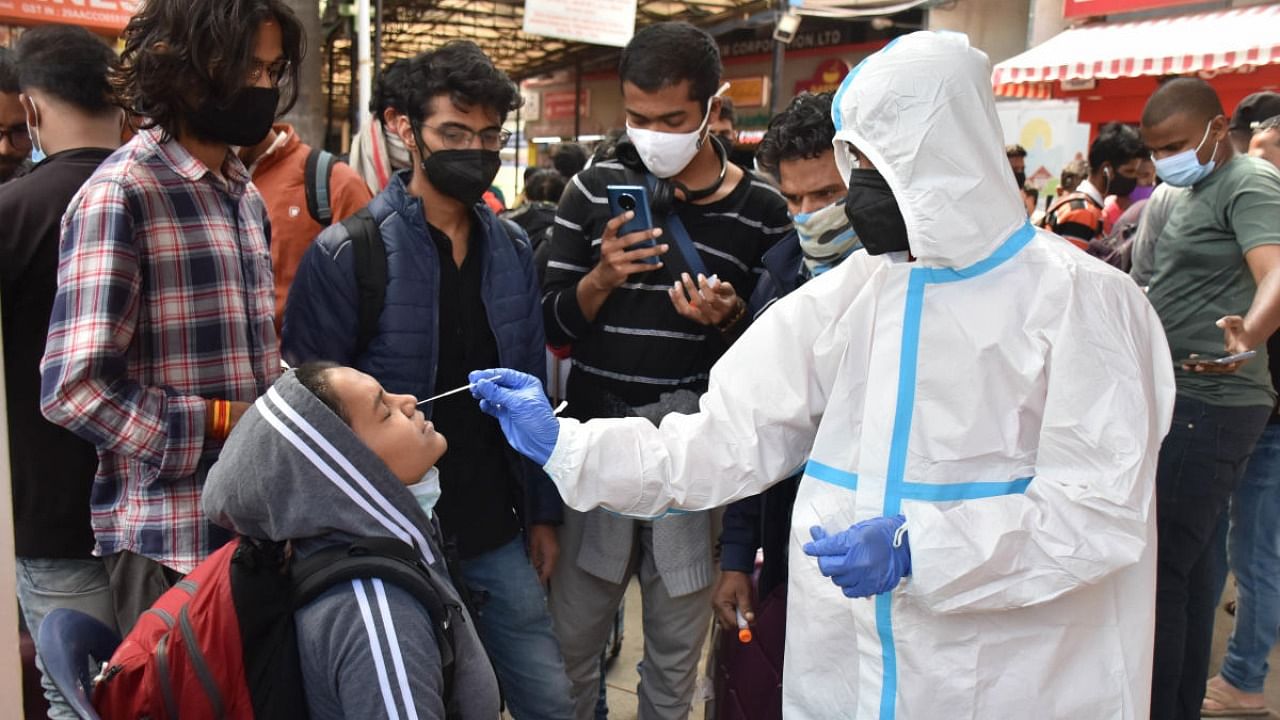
x,y
221,643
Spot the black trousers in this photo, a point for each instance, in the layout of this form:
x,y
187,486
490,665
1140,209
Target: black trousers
x,y
1201,462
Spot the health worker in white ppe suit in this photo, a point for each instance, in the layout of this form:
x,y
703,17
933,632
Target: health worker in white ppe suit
x,y
995,389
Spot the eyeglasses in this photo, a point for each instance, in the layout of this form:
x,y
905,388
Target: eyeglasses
x,y
275,71
459,137
18,136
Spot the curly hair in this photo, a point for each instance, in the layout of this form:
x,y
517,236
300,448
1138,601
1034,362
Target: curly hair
x,y
668,53
803,130
459,69
387,89
68,62
181,54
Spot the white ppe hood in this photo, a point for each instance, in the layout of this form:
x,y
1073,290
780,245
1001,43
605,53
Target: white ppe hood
x,y
922,112
1005,392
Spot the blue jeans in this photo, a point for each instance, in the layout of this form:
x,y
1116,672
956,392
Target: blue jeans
x,y
515,627
1253,551
47,584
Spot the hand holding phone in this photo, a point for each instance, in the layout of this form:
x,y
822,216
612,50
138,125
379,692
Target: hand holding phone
x,y
1208,363
633,199
628,244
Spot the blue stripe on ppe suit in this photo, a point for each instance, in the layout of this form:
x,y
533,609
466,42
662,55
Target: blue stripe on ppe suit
x,y
897,488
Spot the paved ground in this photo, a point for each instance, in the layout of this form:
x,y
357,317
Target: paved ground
x,y
622,675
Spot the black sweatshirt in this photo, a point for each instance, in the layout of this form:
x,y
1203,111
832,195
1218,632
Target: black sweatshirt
x,y
639,347
52,469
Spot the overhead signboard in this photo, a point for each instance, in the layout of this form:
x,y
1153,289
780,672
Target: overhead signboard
x,y
826,78
749,92
559,105
598,22
532,108
1091,8
100,15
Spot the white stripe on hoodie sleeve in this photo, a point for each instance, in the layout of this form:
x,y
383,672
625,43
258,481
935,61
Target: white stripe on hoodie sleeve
x,y
397,660
375,649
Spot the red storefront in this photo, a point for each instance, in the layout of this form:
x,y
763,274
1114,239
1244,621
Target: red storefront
x,y
1111,68
105,17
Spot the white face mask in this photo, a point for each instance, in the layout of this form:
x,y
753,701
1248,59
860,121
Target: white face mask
x,y
666,154
427,491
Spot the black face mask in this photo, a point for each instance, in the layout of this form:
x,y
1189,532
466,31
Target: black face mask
x,y
1021,177
1121,185
873,212
463,175
244,123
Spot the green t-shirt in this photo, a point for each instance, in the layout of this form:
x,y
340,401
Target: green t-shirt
x,y
1201,274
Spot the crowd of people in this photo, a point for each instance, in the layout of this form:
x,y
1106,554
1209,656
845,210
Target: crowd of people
x,y
1040,438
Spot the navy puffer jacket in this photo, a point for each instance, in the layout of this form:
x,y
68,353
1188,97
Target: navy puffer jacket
x,y
321,315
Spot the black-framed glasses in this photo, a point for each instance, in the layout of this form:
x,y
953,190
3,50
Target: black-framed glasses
x,y
18,136
459,137
275,72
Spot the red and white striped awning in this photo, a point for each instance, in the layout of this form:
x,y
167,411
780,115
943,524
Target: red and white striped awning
x,y
1201,42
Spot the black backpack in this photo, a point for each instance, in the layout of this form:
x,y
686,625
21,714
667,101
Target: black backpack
x,y
370,258
389,560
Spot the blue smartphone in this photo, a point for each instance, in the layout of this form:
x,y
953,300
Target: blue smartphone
x,y
623,198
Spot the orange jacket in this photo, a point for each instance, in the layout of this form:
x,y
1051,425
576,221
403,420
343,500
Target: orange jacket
x,y
280,176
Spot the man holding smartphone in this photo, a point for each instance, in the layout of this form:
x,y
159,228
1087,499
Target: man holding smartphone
x,y
1217,291
638,339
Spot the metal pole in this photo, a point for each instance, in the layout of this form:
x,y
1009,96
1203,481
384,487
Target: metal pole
x,y
519,177
10,660
377,46
775,67
577,100
329,94
364,58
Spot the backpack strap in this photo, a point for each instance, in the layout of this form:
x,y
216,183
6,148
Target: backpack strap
x,y
371,274
690,260
388,560
319,167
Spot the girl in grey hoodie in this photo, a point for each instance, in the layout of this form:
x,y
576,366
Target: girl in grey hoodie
x,y
327,457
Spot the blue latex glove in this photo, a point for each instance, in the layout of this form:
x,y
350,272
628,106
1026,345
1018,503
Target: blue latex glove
x,y
521,406
864,560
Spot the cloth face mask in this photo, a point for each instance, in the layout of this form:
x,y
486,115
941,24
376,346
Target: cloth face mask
x,y
826,237
244,123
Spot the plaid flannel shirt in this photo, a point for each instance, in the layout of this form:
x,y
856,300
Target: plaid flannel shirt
x,y
165,299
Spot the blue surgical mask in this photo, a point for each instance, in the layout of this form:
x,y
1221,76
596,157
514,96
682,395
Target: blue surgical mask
x,y
427,491
37,152
1185,169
